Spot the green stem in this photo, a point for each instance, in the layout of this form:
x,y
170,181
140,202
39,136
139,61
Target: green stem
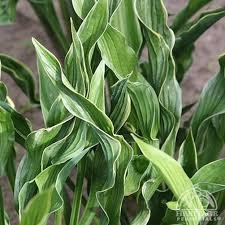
x,y
81,168
89,212
11,171
59,217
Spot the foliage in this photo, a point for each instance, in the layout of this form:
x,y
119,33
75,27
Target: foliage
x,y
113,118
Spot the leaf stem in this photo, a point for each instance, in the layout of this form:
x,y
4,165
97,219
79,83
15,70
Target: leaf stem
x,y
81,168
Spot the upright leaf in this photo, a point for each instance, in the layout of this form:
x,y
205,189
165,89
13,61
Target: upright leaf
x,y
160,40
185,14
130,26
188,36
176,179
94,25
146,106
211,104
37,211
75,69
82,7
120,104
96,94
116,53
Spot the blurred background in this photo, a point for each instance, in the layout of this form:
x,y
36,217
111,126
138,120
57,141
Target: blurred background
x,y
15,40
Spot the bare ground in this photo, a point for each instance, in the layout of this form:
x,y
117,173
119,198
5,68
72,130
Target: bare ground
x,y
15,40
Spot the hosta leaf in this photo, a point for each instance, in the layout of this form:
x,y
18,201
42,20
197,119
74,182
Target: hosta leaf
x,y
188,155
211,103
57,113
130,27
160,40
82,7
148,189
75,69
115,195
30,165
146,105
7,137
136,172
218,123
116,53
48,65
94,25
68,147
113,5
56,175
37,211
169,169
21,74
210,176
7,11
155,22
187,37
22,126
96,94
190,9
120,104
211,144
100,124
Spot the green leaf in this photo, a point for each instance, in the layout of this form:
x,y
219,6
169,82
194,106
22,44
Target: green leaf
x,y
136,172
188,155
160,40
75,69
21,125
185,14
37,211
146,105
187,37
94,25
113,5
211,104
47,65
130,26
96,94
115,195
116,53
57,113
7,11
30,165
210,177
21,74
99,123
176,179
82,7
120,104
7,138
148,189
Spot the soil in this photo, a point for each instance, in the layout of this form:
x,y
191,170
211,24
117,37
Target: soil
x,y
15,40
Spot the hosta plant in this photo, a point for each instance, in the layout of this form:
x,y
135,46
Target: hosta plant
x,y
114,148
